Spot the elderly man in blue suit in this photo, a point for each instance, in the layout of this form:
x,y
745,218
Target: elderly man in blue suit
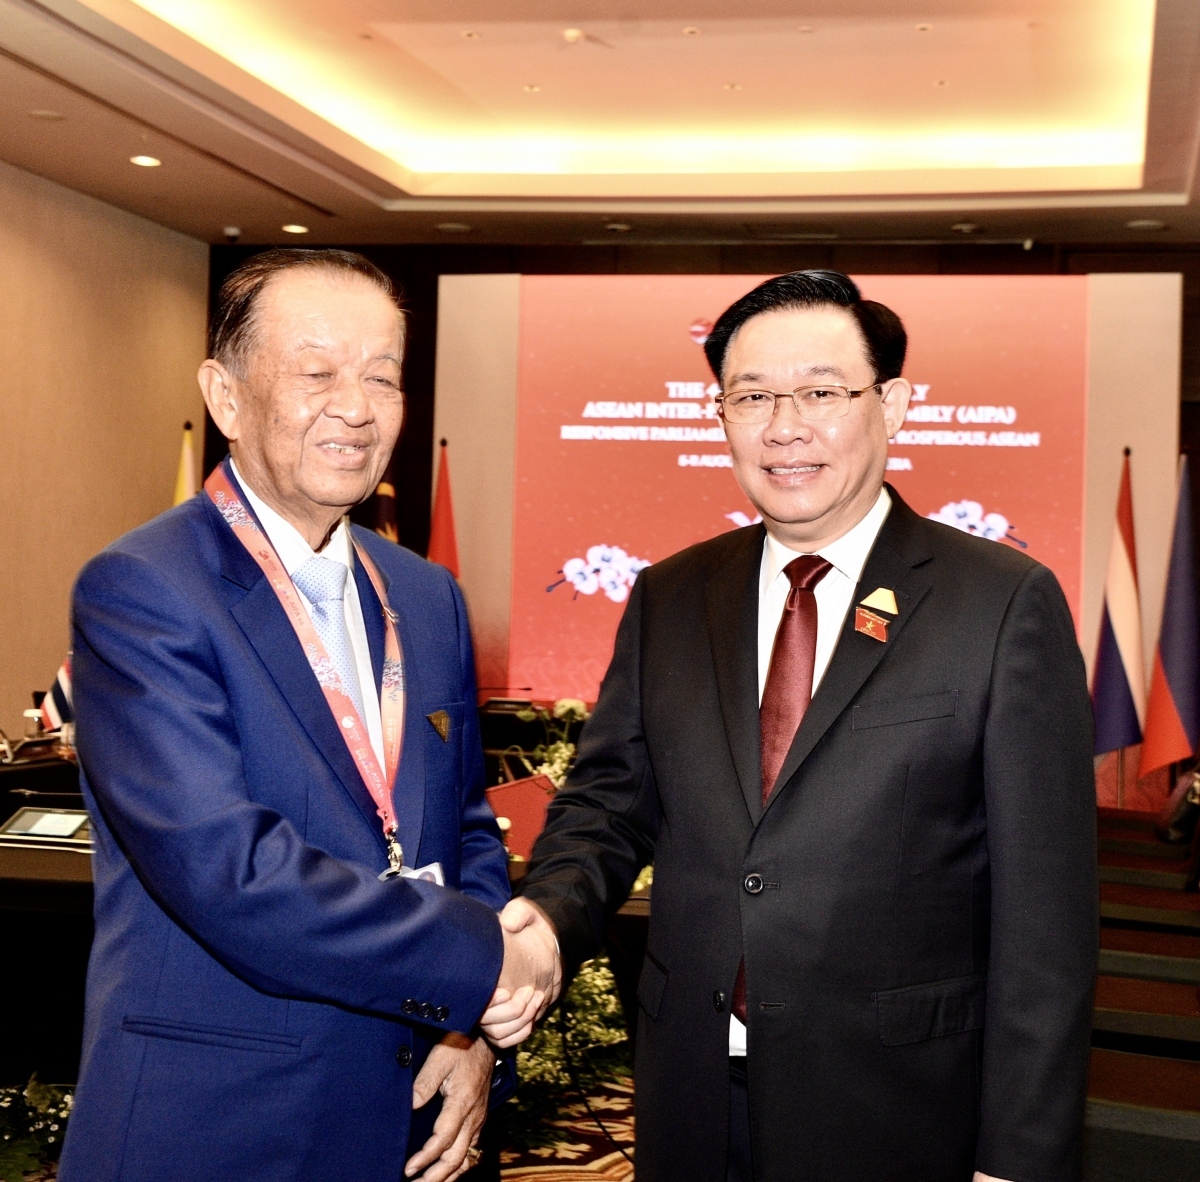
x,y
297,876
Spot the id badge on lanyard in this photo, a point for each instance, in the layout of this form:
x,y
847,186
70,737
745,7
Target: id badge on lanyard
x,y
378,780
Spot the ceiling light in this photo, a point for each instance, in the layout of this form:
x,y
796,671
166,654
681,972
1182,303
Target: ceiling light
x,y
145,161
965,228
454,227
806,29
232,233
618,227
924,28
572,36
691,31
471,35
1145,224
49,116
531,88
294,228
733,86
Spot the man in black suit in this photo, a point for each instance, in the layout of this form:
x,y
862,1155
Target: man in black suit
x,y
873,936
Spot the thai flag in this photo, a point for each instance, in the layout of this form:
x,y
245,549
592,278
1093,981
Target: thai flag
x,y
1118,683
57,705
1173,711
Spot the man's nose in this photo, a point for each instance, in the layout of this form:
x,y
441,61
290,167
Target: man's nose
x,y
349,401
786,425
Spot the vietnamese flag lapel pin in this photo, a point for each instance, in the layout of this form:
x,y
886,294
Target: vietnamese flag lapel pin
x,y
869,622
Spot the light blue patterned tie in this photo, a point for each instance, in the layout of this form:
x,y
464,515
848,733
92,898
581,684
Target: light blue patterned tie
x,y
323,583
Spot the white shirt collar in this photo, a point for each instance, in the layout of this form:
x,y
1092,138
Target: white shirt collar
x,y
288,541
848,554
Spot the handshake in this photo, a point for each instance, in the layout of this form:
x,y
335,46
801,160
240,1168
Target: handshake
x,y
530,979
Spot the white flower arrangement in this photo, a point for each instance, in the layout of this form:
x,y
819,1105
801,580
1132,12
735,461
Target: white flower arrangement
x,y
969,517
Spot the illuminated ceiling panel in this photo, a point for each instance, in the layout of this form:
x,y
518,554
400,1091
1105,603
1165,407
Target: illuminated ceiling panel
x,y
858,98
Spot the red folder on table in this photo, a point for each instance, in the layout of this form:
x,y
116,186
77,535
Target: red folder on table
x,y
524,803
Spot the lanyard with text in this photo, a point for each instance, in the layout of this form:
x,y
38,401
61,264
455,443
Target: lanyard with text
x,y
378,781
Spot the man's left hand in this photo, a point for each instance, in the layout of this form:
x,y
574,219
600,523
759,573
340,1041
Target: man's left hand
x,y
461,1069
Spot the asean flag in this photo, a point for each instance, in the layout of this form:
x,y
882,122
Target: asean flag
x,y
1118,681
1172,730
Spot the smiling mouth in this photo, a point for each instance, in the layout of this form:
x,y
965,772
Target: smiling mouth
x,y
794,470
344,449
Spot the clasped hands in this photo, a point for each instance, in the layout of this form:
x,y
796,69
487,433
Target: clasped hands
x,y
530,979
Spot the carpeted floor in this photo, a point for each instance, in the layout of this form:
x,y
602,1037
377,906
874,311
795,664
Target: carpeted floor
x,y
580,1151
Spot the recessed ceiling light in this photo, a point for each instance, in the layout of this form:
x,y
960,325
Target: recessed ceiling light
x,y
733,86
294,228
454,227
531,88
965,228
145,161
1145,224
49,116
691,31
618,227
572,36
471,35
924,28
806,29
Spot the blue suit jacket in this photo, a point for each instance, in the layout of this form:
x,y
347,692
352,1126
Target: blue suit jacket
x,y
253,984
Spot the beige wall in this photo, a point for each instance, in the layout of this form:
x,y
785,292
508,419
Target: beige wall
x,y
475,411
102,320
1134,331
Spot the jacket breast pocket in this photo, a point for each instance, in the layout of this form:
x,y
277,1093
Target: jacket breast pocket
x,y
651,985
897,710
213,1036
919,1012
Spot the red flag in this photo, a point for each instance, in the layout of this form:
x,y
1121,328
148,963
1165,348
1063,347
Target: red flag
x,y
1173,712
443,546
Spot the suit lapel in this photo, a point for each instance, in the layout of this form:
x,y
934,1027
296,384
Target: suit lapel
x,y
896,561
266,627
731,610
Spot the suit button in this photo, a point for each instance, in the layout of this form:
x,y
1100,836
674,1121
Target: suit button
x,y
441,1013
718,1001
753,884
408,1006
404,1056
425,1010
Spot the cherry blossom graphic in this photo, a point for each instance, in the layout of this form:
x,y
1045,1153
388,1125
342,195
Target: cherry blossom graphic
x,y
969,517
606,568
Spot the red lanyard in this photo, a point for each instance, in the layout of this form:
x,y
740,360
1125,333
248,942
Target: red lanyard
x,y
378,780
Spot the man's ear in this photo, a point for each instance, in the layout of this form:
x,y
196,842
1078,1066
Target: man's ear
x,y
218,386
896,394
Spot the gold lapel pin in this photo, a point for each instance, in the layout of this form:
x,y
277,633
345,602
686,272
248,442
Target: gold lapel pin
x,y
440,721
882,599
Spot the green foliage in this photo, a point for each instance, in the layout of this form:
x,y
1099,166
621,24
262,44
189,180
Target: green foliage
x,y
553,757
33,1122
590,1020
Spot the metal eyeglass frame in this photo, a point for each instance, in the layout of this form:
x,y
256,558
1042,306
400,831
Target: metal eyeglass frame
x,y
720,400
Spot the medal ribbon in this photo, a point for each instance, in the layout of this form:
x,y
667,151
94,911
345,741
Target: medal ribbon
x,y
378,781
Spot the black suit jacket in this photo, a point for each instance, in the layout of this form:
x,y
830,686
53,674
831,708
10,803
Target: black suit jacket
x,y
920,958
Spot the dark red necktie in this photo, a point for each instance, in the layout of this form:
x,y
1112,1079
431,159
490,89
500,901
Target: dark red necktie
x,y
788,690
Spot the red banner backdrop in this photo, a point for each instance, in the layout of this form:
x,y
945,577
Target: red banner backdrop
x,y
621,460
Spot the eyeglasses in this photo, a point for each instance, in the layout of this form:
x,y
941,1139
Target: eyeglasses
x,y
812,403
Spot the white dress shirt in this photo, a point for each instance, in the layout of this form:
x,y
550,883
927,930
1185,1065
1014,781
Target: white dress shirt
x,y
294,552
847,556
